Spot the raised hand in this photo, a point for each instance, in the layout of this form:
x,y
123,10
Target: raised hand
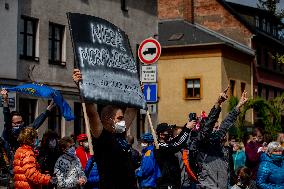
x,y
51,105
77,76
222,97
242,101
191,124
4,94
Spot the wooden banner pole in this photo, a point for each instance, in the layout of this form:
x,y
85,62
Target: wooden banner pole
x,y
88,132
152,130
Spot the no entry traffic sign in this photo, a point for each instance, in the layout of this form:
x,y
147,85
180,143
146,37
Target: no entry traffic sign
x,y
149,51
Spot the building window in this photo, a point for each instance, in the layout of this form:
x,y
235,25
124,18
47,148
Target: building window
x,y
275,92
28,30
56,34
27,108
259,90
232,87
264,25
257,21
258,55
266,57
274,31
79,123
54,120
193,88
267,92
268,27
243,87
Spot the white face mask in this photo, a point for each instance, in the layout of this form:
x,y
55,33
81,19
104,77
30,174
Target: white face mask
x,y
86,145
119,127
144,145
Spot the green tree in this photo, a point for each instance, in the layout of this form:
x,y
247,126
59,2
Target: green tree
x,y
268,111
271,7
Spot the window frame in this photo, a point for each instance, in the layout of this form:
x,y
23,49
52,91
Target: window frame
x,y
54,122
234,89
53,40
25,33
243,84
27,108
257,24
186,97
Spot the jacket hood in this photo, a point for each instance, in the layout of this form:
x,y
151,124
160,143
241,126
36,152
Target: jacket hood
x,y
267,158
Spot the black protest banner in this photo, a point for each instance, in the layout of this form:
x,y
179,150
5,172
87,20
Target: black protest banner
x,y
105,59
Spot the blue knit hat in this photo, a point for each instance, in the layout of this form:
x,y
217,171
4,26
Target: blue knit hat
x,y
147,137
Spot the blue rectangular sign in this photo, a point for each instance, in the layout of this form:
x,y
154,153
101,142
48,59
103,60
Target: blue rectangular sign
x,y
151,92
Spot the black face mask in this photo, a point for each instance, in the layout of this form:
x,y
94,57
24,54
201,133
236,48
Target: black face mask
x,y
17,129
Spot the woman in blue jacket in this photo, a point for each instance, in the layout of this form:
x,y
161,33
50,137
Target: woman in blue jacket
x,y
270,173
239,156
149,171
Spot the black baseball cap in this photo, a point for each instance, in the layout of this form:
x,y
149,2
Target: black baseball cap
x,y
162,127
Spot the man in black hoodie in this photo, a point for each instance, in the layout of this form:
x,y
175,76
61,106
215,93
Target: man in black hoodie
x,y
165,155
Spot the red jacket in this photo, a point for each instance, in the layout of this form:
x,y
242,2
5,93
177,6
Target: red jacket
x,y
83,156
26,169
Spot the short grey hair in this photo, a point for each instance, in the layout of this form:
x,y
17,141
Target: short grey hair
x,y
272,147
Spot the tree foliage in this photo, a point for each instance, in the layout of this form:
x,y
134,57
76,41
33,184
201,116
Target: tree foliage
x,y
269,112
271,7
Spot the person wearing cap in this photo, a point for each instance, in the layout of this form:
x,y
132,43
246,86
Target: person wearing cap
x,y
82,151
165,155
149,171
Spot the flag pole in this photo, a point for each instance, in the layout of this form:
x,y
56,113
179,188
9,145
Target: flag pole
x,y
152,130
88,132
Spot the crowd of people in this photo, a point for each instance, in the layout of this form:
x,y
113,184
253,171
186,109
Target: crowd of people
x,y
198,155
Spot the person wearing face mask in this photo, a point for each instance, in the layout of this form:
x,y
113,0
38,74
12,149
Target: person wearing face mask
x,y
68,169
26,169
112,151
149,171
254,149
82,151
270,173
14,122
48,152
165,155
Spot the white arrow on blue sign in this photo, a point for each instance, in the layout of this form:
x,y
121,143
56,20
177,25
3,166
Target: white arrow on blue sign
x,y
151,92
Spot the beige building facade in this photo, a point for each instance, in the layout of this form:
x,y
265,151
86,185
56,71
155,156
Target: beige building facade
x,y
192,76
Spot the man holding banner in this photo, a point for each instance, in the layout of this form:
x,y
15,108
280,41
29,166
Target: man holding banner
x,y
111,149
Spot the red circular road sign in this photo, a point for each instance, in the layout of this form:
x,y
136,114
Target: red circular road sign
x,y
149,51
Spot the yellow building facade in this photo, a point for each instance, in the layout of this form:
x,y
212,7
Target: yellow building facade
x,y
208,69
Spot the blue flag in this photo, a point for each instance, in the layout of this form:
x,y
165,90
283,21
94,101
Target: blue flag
x,y
46,92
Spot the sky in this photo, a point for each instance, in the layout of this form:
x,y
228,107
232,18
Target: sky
x,y
253,3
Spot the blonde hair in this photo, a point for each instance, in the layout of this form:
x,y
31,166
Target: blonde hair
x,y
27,136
